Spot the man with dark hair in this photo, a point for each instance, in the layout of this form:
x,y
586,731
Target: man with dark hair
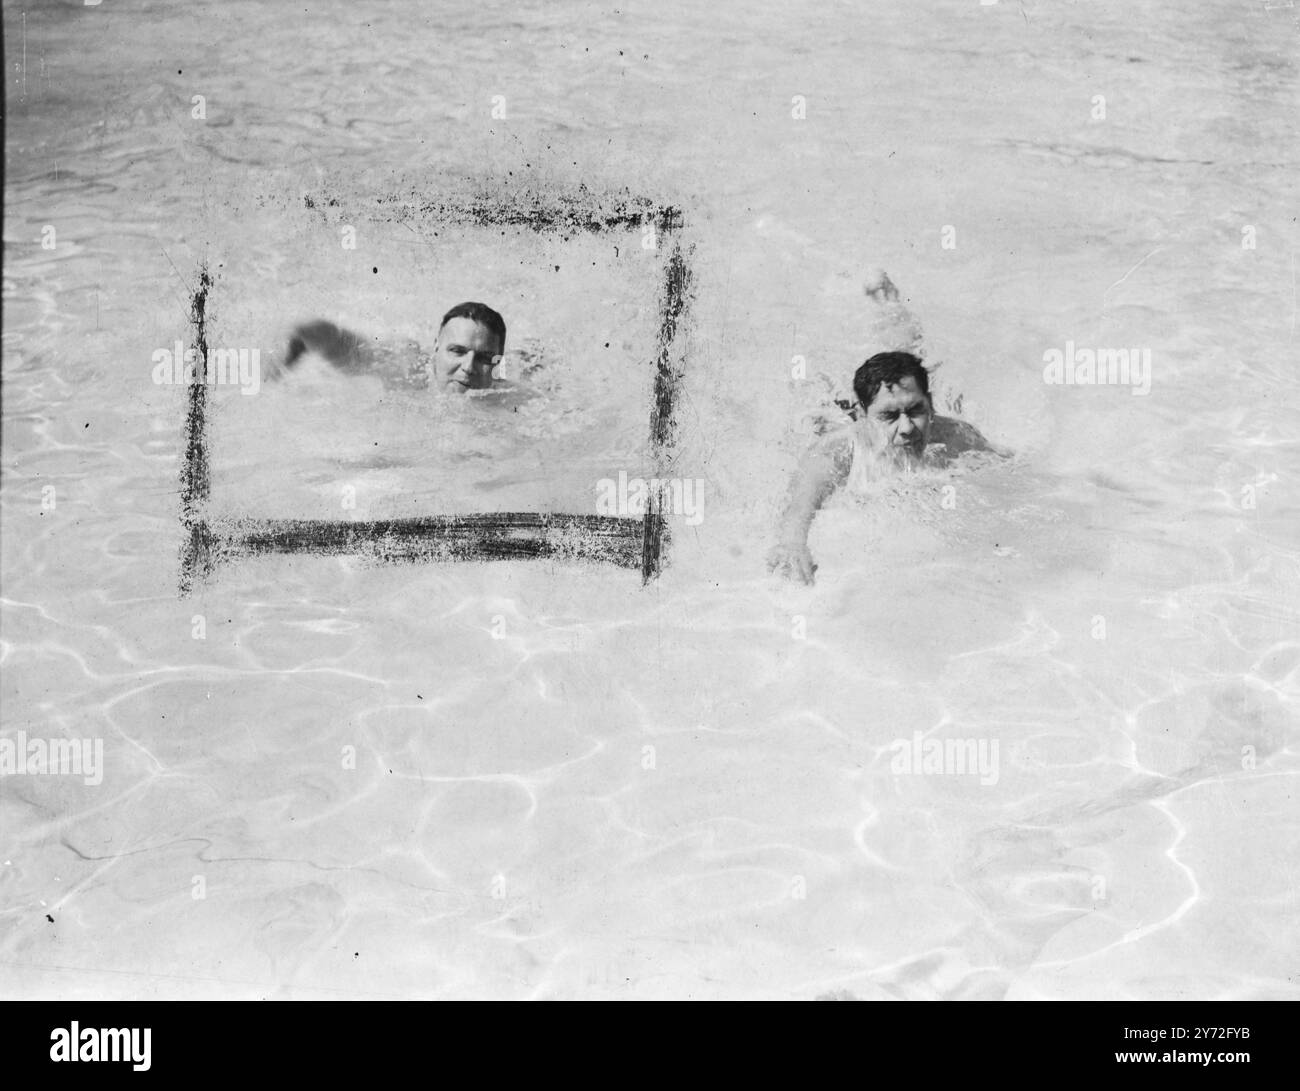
x,y
471,340
893,391
893,422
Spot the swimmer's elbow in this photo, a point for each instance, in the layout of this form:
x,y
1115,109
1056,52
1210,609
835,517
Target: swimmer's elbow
x,y
814,483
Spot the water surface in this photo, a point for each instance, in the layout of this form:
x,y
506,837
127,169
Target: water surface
x,y
543,780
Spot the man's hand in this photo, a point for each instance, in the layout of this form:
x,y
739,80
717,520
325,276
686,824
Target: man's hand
x,y
792,560
821,470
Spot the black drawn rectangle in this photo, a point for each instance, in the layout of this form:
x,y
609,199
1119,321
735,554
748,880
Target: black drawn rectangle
x,y
624,541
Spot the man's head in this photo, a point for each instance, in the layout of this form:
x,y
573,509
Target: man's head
x,y
470,342
893,391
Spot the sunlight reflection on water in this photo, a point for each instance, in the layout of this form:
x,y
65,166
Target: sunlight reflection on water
x,y
544,780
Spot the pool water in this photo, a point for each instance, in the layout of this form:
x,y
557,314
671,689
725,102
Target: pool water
x,y
327,778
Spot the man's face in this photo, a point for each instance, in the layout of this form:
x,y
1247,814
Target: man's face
x,y
465,354
898,421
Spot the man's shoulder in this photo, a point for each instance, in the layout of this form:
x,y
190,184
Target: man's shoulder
x,y
959,436
832,449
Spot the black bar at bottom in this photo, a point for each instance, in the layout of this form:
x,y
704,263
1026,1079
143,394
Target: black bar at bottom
x,y
1246,1042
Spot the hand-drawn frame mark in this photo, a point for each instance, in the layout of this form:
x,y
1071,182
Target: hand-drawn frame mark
x,y
625,541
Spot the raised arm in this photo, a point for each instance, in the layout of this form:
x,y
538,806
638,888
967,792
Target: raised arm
x,y
342,348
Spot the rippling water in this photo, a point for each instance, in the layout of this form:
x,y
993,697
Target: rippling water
x,y
542,780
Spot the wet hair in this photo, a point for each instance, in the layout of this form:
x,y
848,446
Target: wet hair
x,y
480,313
888,369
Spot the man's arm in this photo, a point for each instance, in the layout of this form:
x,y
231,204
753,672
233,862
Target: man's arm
x,y
823,468
342,348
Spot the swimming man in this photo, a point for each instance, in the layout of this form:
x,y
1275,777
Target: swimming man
x,y
892,421
471,341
